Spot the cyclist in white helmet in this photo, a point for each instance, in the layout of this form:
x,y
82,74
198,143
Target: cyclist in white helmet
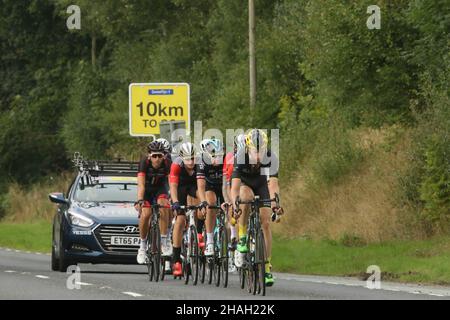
x,y
183,182
209,182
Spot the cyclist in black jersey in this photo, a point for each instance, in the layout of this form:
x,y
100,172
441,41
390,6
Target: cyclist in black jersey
x,y
209,182
255,172
153,187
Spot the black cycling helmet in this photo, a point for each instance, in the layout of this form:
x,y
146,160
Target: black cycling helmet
x,y
155,146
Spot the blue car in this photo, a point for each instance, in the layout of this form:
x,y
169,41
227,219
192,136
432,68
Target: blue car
x,y
96,221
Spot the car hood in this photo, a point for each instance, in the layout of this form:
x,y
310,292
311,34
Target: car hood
x,y
107,212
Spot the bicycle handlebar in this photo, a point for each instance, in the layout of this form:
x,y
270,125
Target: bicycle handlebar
x,y
257,200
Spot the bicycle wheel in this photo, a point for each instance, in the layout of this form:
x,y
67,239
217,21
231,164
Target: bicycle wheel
x,y
223,256
193,254
260,263
216,259
156,252
210,269
252,278
202,263
151,272
242,277
185,261
202,268
163,268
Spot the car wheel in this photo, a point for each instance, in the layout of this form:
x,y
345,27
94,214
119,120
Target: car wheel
x,y
63,262
55,261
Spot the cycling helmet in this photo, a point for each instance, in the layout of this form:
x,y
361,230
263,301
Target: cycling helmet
x,y
212,147
155,146
256,138
187,150
166,144
239,141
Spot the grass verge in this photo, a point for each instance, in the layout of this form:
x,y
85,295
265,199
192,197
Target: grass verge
x,y
35,236
424,261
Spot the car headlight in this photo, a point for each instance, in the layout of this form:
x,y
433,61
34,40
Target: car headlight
x,y
79,220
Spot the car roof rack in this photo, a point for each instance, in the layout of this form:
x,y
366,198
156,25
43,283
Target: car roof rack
x,y
95,168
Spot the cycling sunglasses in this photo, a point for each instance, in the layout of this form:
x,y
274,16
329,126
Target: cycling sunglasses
x,y
157,155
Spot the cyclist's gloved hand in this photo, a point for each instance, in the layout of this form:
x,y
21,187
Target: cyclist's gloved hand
x,y
237,213
277,213
176,206
138,204
203,205
225,206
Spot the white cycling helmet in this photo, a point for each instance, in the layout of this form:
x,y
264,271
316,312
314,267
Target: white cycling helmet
x,y
212,147
239,142
166,144
187,150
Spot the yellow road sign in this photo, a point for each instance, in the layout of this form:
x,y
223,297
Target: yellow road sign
x,y
152,103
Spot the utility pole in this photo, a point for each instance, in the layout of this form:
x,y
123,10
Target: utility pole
x,y
252,52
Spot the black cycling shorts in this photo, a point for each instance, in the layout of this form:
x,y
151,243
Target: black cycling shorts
x,y
217,189
184,191
259,186
154,194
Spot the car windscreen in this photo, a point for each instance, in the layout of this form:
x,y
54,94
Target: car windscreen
x,y
106,192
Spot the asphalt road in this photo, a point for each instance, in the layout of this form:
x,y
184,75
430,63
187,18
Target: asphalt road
x,y
27,275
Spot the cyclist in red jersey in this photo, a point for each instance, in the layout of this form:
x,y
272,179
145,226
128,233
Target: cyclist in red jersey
x,y
183,183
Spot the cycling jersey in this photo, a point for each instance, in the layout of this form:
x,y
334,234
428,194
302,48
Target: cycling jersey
x,y
187,183
245,169
213,175
256,176
228,167
156,185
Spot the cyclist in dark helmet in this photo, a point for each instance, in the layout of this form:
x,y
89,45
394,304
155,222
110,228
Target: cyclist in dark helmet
x,y
153,174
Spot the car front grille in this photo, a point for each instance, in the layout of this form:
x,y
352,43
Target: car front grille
x,y
104,233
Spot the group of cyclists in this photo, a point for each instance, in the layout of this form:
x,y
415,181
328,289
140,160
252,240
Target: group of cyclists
x,y
208,178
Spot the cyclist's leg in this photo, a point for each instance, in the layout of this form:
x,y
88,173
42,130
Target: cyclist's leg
x,y
246,194
180,223
144,220
233,228
163,200
210,220
211,198
194,200
265,217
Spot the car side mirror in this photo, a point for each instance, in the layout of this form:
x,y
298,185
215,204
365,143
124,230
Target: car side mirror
x,y
58,197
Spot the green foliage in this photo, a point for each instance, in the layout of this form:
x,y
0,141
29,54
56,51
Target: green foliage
x,y
365,74
433,150
321,73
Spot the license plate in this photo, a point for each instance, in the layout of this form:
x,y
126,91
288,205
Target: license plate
x,y
125,241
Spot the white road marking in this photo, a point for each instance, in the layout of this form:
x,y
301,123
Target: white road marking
x,y
386,286
10,271
133,294
84,283
42,277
